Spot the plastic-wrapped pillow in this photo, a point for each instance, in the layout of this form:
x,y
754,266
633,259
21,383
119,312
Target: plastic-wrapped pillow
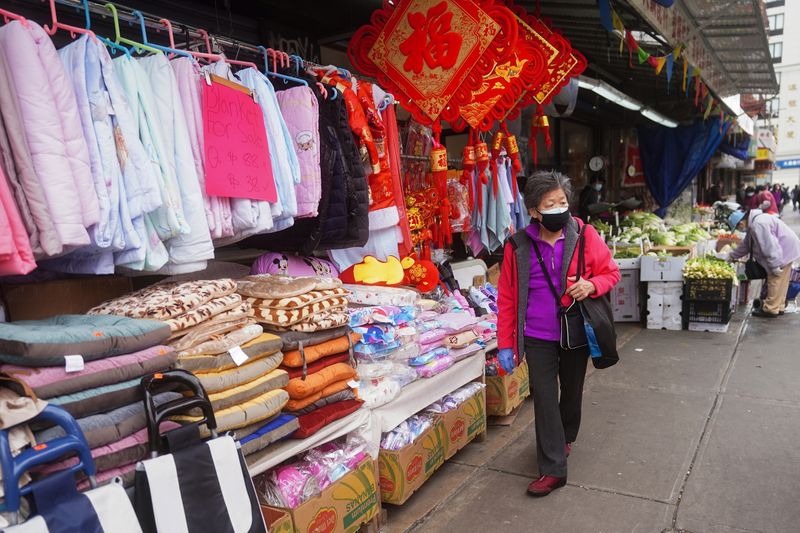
x,y
378,392
427,357
432,336
406,352
372,295
435,367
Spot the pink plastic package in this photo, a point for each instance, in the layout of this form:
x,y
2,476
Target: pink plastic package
x,y
435,367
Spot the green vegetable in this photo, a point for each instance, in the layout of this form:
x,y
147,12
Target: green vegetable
x,y
709,267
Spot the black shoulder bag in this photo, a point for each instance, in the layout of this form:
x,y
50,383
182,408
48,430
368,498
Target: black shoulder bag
x,y
570,319
752,268
598,320
593,314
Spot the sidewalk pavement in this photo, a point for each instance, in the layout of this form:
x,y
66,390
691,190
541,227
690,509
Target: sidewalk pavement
x,y
691,432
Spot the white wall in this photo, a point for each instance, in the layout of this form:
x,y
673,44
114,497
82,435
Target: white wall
x,y
788,130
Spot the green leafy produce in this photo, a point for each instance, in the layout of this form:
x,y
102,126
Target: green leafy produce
x,y
709,267
627,253
601,227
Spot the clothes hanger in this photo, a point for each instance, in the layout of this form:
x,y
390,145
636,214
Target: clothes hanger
x,y
138,14
204,34
110,44
300,63
284,58
136,47
55,25
8,15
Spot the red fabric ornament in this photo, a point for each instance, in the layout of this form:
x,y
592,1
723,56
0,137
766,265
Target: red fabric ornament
x,y
468,162
431,55
512,149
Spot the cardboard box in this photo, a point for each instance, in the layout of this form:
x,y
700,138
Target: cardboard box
x,y
668,268
277,520
463,424
625,304
505,393
34,301
341,508
664,305
403,471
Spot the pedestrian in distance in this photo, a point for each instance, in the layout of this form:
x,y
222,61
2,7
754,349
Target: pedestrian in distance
x,y
777,194
538,285
795,197
775,247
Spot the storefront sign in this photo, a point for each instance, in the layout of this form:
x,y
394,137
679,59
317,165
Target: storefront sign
x,y
787,163
764,154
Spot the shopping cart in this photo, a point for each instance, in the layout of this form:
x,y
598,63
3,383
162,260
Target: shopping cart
x,y
58,506
190,484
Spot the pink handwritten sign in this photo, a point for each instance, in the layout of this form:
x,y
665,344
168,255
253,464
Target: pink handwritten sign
x,y
236,149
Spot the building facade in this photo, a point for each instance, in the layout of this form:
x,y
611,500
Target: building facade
x,y
783,112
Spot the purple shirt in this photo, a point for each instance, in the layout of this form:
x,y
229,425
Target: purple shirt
x,y
541,317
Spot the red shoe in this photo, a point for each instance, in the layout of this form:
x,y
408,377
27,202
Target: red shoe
x,y
568,449
545,485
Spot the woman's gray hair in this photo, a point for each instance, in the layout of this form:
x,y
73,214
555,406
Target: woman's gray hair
x,y
542,182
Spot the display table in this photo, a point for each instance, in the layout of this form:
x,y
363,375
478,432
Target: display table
x,y
278,453
423,392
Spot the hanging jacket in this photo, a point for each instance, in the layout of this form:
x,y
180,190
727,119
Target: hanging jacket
x,y
300,113
15,158
46,109
512,300
188,252
139,182
16,255
218,208
168,220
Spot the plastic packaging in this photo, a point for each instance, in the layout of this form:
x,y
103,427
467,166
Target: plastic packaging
x,y
430,356
377,392
435,367
406,433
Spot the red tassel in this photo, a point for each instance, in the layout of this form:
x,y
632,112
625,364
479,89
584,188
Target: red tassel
x,y
482,155
497,147
468,162
512,149
540,123
438,156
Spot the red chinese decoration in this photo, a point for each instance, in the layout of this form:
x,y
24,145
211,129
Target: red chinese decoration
x,y
431,55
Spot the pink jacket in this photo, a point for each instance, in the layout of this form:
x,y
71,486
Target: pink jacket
x,y
46,107
16,256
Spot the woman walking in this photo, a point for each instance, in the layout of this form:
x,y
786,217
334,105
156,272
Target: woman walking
x,y
538,281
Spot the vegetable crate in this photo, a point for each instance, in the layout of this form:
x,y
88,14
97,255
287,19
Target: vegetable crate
x,y
708,290
708,312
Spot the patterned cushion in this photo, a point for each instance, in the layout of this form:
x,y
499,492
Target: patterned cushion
x,y
334,388
331,319
295,358
228,379
204,312
289,317
269,286
297,301
210,329
236,337
166,300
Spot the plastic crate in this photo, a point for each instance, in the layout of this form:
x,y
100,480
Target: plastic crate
x,y
708,290
708,312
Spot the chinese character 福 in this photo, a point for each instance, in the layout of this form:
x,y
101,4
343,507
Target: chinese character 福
x,y
431,42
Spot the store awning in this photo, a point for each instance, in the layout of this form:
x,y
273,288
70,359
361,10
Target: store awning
x,y
726,39
579,21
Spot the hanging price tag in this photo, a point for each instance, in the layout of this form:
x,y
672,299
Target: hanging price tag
x,y
73,363
238,355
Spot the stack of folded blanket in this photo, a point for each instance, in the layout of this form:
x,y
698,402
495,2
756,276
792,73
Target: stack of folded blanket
x,y
216,338
322,379
100,388
195,311
246,389
287,303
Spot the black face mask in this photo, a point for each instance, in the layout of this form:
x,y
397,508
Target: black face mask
x,y
555,221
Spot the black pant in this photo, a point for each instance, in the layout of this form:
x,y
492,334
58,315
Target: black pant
x,y
557,421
